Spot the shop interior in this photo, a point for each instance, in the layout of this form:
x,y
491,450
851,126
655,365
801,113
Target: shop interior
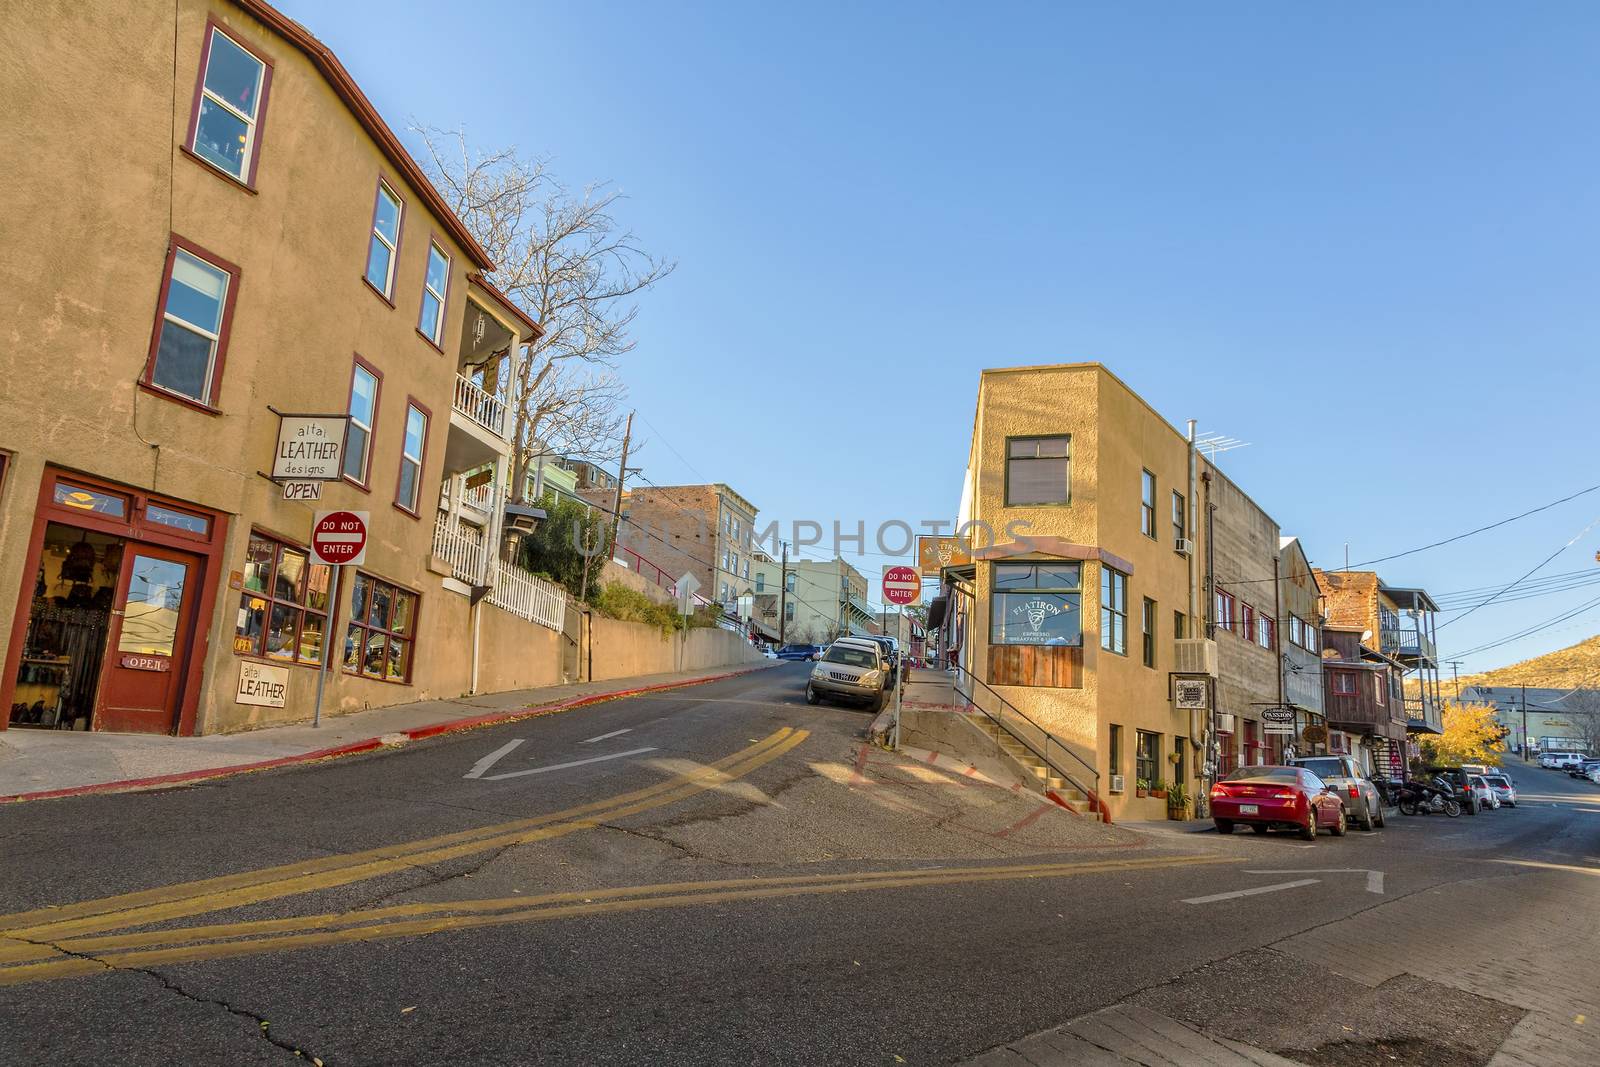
x,y
65,642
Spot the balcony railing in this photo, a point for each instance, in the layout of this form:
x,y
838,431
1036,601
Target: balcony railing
x,y
483,408
510,587
1408,641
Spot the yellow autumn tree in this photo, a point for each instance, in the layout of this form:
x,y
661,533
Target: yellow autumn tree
x,y
1471,735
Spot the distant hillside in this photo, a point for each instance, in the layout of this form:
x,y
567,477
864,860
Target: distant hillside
x,y
1567,668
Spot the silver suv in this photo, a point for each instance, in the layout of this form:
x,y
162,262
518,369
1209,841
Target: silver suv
x,y
1362,803
852,669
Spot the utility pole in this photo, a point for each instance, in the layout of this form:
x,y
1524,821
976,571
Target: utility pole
x,y
616,509
1455,673
1524,724
783,593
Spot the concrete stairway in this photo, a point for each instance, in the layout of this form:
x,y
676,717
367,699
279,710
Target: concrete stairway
x,y
1034,768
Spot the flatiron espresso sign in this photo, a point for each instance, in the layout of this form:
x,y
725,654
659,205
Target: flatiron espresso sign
x,y
1029,623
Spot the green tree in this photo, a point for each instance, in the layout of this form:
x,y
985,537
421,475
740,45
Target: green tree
x,y
556,549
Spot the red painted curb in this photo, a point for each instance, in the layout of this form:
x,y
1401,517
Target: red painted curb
x,y
367,744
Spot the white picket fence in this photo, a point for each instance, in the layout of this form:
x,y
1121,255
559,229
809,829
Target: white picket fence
x,y
527,597
510,587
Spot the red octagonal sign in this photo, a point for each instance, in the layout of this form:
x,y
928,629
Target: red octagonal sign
x,y
339,537
901,585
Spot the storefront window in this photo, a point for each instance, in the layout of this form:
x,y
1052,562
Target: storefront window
x,y
283,609
182,520
379,639
1036,604
76,496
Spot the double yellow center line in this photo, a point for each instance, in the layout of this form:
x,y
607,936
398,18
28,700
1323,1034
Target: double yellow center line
x,y
49,926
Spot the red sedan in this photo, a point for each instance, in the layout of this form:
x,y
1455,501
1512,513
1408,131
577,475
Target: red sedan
x,y
1265,797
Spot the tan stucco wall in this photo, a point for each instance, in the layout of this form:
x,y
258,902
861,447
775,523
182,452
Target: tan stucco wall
x,y
624,649
1115,436
81,255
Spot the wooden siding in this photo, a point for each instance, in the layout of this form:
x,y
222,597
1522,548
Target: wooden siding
x,y
1055,666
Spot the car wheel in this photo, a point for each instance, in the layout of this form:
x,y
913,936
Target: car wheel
x,y
1379,819
1342,825
811,695
1224,826
1259,827
1308,832
1368,823
878,702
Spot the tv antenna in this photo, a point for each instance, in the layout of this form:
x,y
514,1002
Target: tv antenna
x,y
1211,444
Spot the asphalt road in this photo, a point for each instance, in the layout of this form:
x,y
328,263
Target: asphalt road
x,y
720,874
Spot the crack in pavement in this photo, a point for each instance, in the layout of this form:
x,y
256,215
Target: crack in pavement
x,y
662,840
264,1027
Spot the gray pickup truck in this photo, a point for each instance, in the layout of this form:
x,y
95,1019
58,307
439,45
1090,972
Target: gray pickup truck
x,y
1363,806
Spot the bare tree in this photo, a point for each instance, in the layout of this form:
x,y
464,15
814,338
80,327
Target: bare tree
x,y
1582,709
563,258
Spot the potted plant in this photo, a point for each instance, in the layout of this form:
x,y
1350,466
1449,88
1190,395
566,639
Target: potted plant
x,y
1142,787
1177,802
1158,789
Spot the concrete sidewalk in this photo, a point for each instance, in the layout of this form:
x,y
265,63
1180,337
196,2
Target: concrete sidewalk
x,y
39,764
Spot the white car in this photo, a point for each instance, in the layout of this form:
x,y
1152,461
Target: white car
x,y
1505,790
768,652
1485,794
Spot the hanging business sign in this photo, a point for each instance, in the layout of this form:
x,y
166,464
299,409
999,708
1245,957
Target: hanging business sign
x,y
1191,694
934,553
310,448
302,490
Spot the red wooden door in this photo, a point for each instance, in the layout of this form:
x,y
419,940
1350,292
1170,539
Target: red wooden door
x,y
148,646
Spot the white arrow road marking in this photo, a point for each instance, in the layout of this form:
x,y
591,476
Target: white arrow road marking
x,y
574,763
1374,878
602,737
491,759
1251,892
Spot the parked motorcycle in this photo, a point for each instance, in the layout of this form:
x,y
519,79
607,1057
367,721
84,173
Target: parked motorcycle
x,y
1421,798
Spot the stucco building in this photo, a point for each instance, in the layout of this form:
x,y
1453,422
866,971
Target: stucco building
x,y
234,232
1109,560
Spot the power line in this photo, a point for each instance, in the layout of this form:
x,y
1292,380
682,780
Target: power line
x,y
1530,631
1575,539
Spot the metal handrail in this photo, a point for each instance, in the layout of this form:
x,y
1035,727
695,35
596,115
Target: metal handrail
x,y
1093,794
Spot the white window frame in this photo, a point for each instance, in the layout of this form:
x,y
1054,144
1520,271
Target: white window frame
x,y
437,333
185,324
377,235
350,408
249,154
1147,504
406,457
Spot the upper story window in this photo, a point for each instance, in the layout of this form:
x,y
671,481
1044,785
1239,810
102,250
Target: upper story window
x,y
412,451
1224,610
1247,622
1113,610
435,283
788,582
192,334
1180,520
1379,684
1266,632
364,385
761,582
228,113
385,244
1038,470
1147,631
1147,504
1344,683
1036,604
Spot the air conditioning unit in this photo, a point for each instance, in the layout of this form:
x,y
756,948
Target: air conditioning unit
x,y
1116,783
1195,655
1184,547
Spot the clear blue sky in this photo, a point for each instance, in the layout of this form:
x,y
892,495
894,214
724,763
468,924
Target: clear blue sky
x,y
1362,237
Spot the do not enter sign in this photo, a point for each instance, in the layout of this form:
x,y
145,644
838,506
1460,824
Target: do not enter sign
x,y
339,537
901,585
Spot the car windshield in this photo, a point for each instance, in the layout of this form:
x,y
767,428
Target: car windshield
x,y
1322,768
851,657
1499,780
1264,774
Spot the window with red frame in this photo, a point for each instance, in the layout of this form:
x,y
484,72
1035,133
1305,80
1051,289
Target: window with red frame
x,y
230,104
1224,610
1247,622
283,611
1266,632
191,334
382,632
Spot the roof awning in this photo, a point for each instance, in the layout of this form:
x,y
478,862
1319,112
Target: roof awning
x,y
938,607
762,630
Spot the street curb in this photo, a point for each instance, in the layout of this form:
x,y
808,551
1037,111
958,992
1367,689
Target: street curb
x,y
369,744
